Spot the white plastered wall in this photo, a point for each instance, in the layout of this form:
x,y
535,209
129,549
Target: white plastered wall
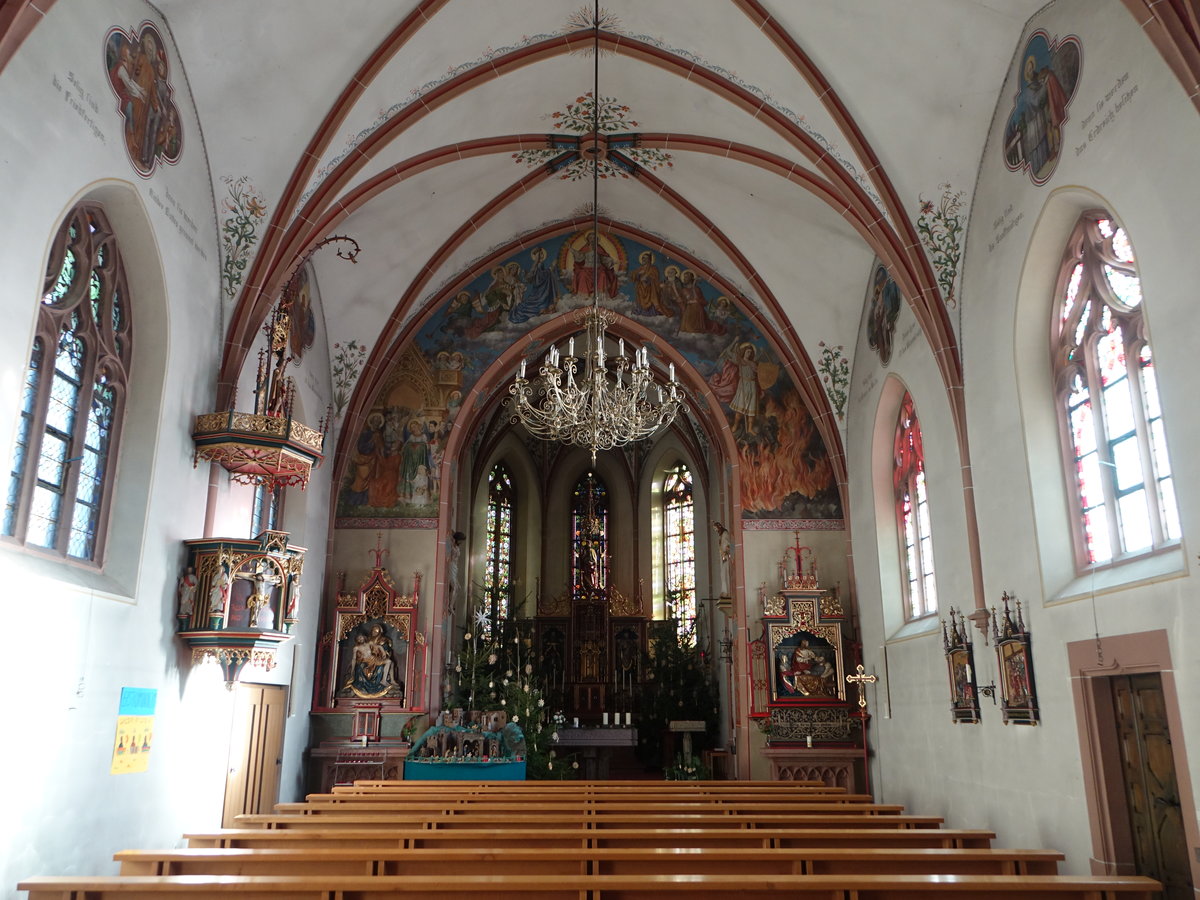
x,y
74,635
1027,783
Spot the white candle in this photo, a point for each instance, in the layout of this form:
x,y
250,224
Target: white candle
x,y
605,718
522,368
571,347
628,718
576,722
671,369
808,740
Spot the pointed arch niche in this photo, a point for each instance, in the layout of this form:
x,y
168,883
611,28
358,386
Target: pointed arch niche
x,y
1052,504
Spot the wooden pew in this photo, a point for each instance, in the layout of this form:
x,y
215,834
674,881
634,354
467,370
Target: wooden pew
x,y
684,787
600,861
588,798
419,838
649,819
452,808
595,887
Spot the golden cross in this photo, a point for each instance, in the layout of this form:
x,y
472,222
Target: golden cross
x,y
861,680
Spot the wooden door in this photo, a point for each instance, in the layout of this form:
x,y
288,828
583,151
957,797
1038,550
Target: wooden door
x,y
255,750
1151,792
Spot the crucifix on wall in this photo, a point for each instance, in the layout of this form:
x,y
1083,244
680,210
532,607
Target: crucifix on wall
x,y
861,680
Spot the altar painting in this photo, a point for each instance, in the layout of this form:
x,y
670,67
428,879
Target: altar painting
x,y
807,666
784,464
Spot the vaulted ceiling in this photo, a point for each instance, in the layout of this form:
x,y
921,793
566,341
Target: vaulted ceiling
x,y
784,144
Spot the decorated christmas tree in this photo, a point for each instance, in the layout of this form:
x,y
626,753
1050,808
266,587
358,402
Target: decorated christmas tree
x,y
497,670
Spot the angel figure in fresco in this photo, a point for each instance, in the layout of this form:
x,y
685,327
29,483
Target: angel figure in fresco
x,y
737,383
541,292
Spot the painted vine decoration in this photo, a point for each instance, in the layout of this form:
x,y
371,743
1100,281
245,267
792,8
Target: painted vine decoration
x,y
835,375
940,228
348,361
239,230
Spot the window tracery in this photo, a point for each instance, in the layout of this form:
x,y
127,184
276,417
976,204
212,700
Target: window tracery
x,y
72,404
497,573
912,514
1114,443
679,547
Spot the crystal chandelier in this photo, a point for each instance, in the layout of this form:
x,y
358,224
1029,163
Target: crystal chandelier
x,y
610,403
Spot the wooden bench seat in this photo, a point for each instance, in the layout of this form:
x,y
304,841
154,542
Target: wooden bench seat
x,y
588,799
375,838
586,821
450,808
600,861
684,787
450,886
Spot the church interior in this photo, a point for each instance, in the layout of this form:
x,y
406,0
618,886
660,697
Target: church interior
x,y
746,390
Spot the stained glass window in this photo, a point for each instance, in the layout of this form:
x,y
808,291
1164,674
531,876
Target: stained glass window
x,y
72,402
912,515
589,536
679,548
265,514
1113,435
497,573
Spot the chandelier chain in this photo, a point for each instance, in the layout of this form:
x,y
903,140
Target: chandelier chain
x,y
589,400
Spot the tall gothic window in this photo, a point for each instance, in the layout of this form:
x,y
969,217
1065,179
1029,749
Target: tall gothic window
x,y
912,514
497,573
1111,422
589,536
679,548
60,478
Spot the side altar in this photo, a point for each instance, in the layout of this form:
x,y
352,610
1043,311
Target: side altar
x,y
798,681
372,667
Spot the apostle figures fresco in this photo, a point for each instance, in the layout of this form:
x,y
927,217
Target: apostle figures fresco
x,y
1033,136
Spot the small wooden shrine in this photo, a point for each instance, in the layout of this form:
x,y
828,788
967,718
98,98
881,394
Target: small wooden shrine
x,y
238,599
798,689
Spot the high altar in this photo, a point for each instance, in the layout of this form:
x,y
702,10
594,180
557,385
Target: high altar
x,y
798,668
